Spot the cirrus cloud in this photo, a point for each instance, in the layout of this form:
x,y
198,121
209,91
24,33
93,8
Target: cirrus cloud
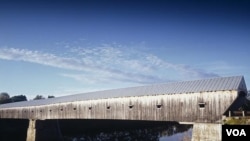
x,y
108,63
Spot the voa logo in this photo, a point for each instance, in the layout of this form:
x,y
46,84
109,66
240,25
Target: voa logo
x,y
236,132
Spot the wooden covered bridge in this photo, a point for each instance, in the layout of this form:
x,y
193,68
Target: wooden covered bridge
x,y
197,101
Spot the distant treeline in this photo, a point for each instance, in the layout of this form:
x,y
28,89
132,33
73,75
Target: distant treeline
x,y
5,98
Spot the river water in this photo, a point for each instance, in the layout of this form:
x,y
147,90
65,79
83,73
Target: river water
x,y
99,130
140,135
127,131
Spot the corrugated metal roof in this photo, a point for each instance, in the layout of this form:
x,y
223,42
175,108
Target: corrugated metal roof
x,y
204,85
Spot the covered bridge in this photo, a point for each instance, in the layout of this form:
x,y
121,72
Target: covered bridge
x,y
187,101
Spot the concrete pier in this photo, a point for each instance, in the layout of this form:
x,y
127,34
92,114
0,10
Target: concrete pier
x,y
41,130
31,133
206,132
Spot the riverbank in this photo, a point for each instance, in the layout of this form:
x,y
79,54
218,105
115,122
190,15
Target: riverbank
x,y
237,121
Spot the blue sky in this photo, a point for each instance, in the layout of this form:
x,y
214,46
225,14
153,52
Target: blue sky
x,y
66,47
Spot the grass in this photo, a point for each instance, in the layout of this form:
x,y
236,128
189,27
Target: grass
x,y
237,121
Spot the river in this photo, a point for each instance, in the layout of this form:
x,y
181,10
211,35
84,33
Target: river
x,y
99,130
126,131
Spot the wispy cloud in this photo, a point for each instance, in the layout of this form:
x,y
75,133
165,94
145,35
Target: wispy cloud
x,y
39,58
108,62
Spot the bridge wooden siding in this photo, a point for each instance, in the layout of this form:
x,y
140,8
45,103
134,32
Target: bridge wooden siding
x,y
175,107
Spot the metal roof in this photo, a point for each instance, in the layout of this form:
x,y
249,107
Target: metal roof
x,y
204,85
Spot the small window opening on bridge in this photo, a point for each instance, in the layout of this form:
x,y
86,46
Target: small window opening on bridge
x,y
50,110
32,111
202,105
108,107
74,109
41,111
90,108
158,106
61,109
131,106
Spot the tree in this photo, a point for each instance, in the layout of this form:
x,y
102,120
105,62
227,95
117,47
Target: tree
x,y
38,97
5,98
51,96
19,98
246,105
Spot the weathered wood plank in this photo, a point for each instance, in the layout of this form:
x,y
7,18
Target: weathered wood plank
x,y
174,107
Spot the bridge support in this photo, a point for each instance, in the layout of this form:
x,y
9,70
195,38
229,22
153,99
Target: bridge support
x,y
206,132
31,133
41,130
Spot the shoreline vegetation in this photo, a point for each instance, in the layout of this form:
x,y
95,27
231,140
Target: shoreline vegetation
x,y
237,121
